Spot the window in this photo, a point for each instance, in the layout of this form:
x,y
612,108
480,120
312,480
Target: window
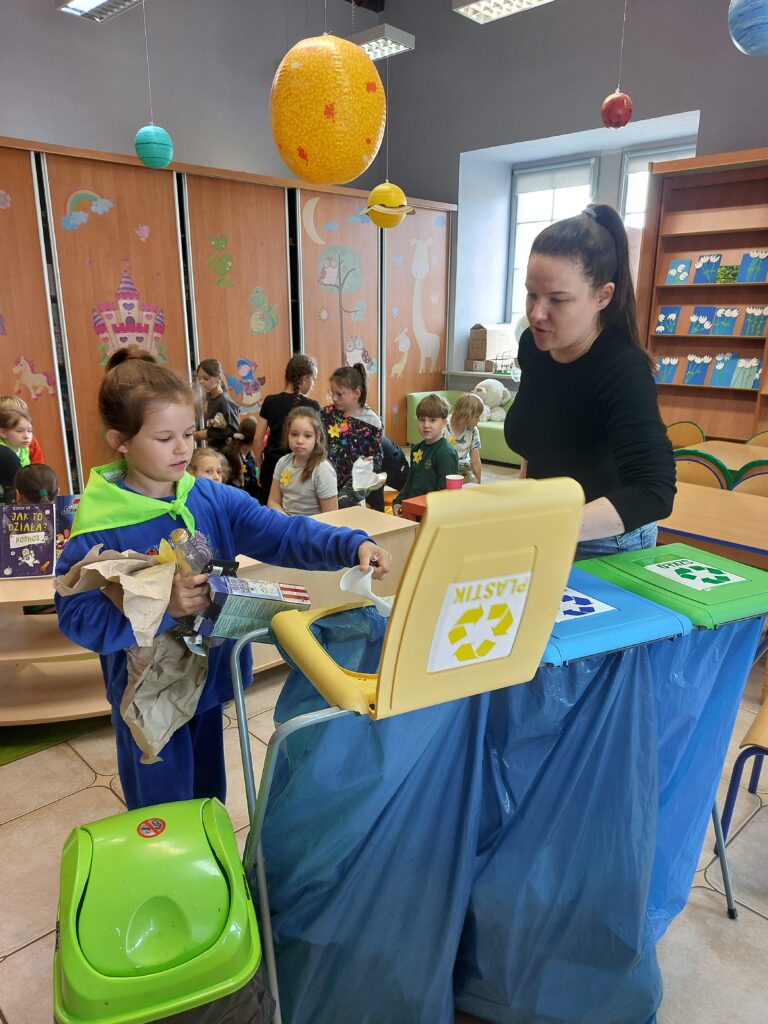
x,y
635,181
540,197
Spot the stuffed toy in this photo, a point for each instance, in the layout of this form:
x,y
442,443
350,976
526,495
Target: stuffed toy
x,y
493,395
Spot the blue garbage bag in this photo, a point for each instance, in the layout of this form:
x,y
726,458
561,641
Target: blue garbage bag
x,y
698,682
556,931
369,841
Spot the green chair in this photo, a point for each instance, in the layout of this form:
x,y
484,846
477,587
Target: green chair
x,y
694,467
684,433
752,478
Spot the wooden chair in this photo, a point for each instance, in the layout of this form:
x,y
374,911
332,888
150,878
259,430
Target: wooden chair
x,y
752,478
694,467
684,433
760,438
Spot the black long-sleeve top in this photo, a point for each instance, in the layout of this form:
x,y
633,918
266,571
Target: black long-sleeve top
x,y
596,420
222,418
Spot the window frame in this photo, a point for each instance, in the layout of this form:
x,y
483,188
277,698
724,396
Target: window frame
x,y
679,150
590,160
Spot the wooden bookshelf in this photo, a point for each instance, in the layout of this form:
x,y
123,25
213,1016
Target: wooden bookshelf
x,y
710,206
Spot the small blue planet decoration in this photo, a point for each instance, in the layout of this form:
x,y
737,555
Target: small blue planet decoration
x,y
154,146
748,25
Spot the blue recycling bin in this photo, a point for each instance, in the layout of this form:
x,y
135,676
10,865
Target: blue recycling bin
x,y
698,683
556,926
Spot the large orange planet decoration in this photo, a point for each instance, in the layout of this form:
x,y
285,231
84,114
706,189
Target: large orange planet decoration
x,y
387,206
327,109
616,110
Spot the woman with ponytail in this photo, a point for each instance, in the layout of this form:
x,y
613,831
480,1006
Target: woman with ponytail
x,y
587,406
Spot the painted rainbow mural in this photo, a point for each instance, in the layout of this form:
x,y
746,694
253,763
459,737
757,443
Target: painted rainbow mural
x,y
73,217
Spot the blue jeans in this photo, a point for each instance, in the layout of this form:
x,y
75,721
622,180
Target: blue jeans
x,y
633,540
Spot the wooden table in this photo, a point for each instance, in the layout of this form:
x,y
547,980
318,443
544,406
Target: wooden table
x,y
414,508
44,677
724,522
732,454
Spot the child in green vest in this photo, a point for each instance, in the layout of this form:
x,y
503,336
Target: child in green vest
x,y
431,459
16,433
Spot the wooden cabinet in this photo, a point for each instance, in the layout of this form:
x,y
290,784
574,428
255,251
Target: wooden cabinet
x,y
703,291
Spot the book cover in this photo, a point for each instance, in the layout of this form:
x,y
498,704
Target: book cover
x,y
678,272
755,318
666,368
725,320
723,369
727,273
666,320
754,267
696,369
701,320
758,371
66,506
706,267
27,541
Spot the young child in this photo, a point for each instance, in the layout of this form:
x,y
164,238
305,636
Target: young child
x,y
240,458
16,433
354,430
149,414
304,482
221,417
205,462
300,377
431,459
36,484
128,352
18,404
461,431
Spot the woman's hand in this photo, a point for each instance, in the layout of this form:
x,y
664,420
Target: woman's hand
x,y
397,510
371,556
189,595
200,435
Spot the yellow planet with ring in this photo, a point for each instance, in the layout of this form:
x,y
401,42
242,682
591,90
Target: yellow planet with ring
x,y
327,110
387,205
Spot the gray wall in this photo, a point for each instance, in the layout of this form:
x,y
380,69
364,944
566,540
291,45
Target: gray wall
x,y
545,72
70,81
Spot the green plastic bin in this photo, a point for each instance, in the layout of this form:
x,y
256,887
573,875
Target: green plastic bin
x,y
709,589
155,920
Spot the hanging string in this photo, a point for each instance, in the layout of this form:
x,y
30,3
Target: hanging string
x,y
354,14
621,51
326,17
386,124
146,49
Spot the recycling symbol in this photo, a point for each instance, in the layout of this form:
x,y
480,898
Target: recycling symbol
x,y
498,616
713,577
581,606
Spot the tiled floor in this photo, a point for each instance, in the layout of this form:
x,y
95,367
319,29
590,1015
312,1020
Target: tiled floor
x,y
713,968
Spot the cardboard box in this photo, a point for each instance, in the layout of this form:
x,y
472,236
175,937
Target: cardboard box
x,y
239,606
489,341
479,365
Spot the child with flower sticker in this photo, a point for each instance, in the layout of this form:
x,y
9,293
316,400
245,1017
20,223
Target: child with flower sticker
x,y
304,482
354,430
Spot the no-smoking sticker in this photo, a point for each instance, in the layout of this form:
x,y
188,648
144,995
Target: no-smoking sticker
x,y
150,827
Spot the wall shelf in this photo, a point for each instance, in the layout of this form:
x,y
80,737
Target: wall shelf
x,y
711,208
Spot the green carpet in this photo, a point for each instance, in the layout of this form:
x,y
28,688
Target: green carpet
x,y
20,740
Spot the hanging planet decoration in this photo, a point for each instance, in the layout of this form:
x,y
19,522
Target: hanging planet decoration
x,y
154,146
387,206
748,25
616,110
327,109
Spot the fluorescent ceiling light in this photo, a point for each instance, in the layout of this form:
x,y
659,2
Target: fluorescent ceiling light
x,y
96,10
383,41
483,11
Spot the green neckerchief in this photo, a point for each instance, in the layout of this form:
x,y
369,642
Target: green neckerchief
x,y
106,506
22,454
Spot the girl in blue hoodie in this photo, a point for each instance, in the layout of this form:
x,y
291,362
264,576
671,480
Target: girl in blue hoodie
x,y
149,414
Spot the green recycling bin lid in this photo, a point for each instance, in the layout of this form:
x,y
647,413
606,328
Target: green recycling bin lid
x,y
155,916
709,589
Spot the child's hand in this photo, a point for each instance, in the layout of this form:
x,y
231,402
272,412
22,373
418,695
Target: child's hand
x,y
397,510
371,556
189,595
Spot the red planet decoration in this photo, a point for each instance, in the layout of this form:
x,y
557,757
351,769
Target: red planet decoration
x,y
616,110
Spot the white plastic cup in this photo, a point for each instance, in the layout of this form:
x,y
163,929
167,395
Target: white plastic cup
x,y
454,481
